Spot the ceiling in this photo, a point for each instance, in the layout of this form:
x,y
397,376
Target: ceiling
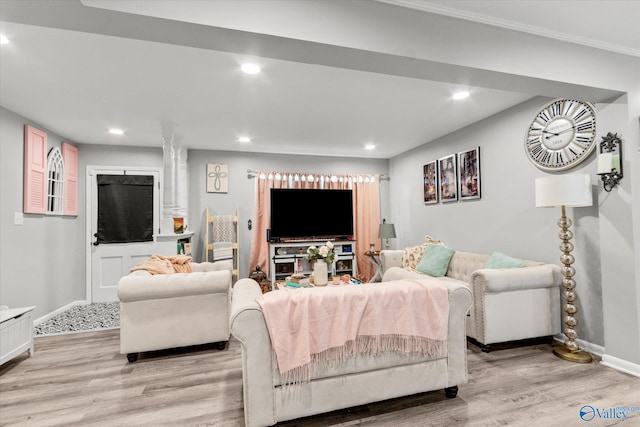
x,y
72,69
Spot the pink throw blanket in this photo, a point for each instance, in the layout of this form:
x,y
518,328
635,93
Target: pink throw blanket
x,y
319,326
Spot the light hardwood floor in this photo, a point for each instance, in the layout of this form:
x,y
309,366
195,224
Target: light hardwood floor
x,y
81,379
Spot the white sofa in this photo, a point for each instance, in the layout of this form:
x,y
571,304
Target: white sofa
x,y
166,311
508,304
359,380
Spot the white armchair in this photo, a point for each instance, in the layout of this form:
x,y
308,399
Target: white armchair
x,y
175,310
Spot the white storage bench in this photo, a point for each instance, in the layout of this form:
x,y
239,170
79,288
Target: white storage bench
x,y
16,333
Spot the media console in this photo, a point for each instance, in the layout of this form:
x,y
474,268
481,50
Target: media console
x,y
287,258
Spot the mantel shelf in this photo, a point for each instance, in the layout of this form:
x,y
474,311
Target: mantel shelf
x,y
173,235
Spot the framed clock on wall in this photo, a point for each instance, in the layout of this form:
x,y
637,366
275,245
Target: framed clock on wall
x,y
561,135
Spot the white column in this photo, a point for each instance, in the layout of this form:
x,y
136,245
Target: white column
x,y
168,186
175,184
181,188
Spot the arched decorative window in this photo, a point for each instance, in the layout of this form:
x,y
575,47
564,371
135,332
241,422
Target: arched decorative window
x,y
50,178
55,181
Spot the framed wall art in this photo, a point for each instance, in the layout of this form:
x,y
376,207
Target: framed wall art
x,y
448,176
217,178
469,174
430,182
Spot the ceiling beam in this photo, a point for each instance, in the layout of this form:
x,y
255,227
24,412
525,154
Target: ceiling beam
x,y
72,15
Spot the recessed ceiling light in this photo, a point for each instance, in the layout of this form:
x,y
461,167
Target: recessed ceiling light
x,y
3,39
370,147
115,131
460,95
244,139
250,68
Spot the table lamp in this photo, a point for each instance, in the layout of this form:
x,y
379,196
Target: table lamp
x,y
386,231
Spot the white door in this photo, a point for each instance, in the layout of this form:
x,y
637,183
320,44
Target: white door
x,y
108,262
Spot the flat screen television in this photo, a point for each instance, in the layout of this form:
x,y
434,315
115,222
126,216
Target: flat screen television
x,y
311,214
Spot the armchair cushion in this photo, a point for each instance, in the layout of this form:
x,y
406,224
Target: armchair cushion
x,y
500,260
435,260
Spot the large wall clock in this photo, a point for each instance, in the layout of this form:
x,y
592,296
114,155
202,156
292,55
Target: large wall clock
x,y
561,135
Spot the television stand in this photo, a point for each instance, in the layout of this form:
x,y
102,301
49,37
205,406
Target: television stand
x,y
287,258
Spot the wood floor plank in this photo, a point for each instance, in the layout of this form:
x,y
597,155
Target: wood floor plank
x,y
82,379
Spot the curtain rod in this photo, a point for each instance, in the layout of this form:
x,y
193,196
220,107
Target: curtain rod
x,y
253,174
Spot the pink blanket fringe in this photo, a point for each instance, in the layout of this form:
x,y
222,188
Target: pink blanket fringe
x,y
312,329
364,345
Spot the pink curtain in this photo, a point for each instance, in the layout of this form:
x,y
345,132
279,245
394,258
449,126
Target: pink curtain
x,y
367,214
259,255
366,198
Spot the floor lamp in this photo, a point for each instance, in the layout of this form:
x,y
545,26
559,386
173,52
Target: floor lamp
x,y
572,190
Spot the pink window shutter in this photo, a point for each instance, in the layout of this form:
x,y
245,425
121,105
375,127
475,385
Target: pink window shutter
x,y
35,170
70,158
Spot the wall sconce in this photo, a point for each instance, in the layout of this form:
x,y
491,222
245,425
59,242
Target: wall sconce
x,y
610,161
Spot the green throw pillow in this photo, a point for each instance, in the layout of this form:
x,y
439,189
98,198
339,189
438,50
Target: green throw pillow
x,y
435,260
499,260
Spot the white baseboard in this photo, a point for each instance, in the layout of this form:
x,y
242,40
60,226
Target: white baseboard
x,y
46,317
621,365
609,361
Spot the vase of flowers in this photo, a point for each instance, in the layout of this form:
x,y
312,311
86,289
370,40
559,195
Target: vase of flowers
x,y
322,256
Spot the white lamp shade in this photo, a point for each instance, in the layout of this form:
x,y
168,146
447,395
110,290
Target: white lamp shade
x,y
564,190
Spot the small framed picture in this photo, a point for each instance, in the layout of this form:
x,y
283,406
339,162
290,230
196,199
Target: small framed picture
x,y
448,178
217,178
430,182
469,174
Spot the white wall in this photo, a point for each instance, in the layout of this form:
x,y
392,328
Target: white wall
x,y
40,263
620,252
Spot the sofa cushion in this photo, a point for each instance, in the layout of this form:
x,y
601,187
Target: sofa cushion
x,y
500,260
435,260
413,254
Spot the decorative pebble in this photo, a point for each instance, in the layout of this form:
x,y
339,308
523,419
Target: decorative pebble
x,y
82,318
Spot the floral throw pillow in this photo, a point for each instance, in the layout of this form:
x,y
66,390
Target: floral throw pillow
x,y
413,254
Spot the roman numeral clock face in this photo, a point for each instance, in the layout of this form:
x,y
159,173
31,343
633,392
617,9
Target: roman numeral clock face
x,y
561,135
